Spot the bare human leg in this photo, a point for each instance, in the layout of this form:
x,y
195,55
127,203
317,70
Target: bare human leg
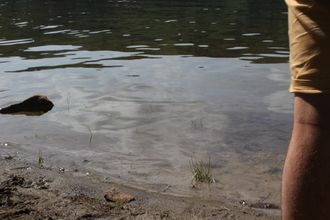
x,y
306,174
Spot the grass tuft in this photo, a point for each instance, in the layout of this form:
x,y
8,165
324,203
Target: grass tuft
x,y
201,172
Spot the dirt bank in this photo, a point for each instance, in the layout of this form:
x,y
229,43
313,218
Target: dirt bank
x,y
28,191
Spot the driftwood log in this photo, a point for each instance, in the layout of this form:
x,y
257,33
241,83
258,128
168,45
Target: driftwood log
x,y
35,105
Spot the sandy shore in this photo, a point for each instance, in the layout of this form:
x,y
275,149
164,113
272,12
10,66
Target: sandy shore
x,y
31,191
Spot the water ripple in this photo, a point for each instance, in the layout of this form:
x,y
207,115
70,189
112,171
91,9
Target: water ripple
x,y
14,42
52,48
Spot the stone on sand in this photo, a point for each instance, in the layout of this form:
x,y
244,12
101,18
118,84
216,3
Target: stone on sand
x,y
116,195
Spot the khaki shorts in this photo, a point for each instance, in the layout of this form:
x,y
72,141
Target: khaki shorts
x,y
309,34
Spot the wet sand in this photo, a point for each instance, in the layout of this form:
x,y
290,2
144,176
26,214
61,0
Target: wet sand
x,y
31,191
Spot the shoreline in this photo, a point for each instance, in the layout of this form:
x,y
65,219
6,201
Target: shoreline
x,y
31,191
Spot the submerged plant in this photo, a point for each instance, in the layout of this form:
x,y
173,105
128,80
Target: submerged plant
x,y
91,137
196,124
138,131
68,101
201,172
142,148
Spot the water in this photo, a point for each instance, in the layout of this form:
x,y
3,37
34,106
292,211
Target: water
x,y
141,87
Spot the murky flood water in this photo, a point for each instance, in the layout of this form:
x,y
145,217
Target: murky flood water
x,y
142,87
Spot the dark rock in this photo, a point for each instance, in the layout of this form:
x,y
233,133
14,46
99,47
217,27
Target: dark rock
x,y
35,105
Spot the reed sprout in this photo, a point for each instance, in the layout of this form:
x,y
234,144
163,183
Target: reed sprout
x,y
40,160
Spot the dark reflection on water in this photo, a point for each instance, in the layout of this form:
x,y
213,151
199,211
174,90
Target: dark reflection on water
x,y
157,83
238,28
